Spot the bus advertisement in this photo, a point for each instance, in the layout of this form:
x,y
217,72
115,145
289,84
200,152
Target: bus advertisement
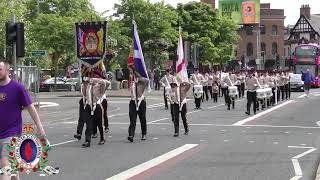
x,y
307,56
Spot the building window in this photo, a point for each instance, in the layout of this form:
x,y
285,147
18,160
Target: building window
x,y
312,36
262,29
249,30
263,47
274,30
274,49
249,49
296,36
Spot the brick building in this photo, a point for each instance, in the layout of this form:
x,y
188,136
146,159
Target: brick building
x,y
211,2
271,38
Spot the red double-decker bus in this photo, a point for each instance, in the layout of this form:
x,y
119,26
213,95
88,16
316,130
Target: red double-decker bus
x,y
307,56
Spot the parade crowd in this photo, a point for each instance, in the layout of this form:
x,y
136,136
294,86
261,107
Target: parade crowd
x,y
262,88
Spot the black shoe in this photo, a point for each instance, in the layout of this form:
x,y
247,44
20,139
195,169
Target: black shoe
x,y
106,130
102,142
143,138
77,136
228,108
248,113
86,144
232,107
176,135
130,138
94,136
186,132
255,113
166,108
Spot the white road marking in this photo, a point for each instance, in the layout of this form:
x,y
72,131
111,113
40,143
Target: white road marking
x,y
152,163
193,111
318,123
242,122
302,96
226,140
46,104
157,120
224,125
302,144
295,162
251,141
286,132
155,138
66,142
317,95
275,143
265,131
121,114
244,131
309,133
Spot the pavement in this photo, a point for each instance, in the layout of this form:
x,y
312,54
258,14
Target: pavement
x,y
280,143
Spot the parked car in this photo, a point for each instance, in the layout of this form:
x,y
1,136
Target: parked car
x,y
62,85
75,83
296,83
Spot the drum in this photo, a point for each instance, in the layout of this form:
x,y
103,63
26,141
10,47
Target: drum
x,y
167,91
269,93
261,94
233,91
198,91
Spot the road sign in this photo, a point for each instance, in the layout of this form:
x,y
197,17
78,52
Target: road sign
x,y
39,53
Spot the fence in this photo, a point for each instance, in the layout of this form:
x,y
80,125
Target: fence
x,y
29,76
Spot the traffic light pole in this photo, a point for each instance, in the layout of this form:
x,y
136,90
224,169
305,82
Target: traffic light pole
x,y
14,51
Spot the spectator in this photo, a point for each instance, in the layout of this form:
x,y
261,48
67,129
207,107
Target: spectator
x,y
307,78
157,76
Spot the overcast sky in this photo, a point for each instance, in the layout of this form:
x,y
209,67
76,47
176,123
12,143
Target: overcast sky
x,y
291,7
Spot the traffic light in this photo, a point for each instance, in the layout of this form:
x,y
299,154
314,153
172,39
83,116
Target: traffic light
x,y
15,34
11,33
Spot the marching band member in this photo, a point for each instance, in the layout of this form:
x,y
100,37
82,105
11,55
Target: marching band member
x,y
252,85
178,102
165,83
215,91
278,84
197,80
262,84
238,83
242,81
282,85
226,83
137,107
272,85
210,83
205,87
93,111
287,85
216,78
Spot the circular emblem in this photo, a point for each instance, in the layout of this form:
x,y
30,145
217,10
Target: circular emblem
x,y
28,151
91,42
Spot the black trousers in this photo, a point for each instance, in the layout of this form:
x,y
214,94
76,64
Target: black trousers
x,y
105,118
175,113
278,93
251,99
92,121
205,93
133,113
288,91
283,92
210,91
215,97
198,102
157,85
273,99
220,91
227,97
165,99
242,89
81,119
239,90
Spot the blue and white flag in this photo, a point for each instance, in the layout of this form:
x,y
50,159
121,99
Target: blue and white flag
x,y
139,64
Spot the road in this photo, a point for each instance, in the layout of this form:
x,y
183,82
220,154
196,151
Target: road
x,y
280,143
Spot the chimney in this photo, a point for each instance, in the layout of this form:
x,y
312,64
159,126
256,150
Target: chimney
x,y
305,10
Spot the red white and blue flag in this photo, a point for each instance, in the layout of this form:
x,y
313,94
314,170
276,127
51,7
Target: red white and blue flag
x,y
181,66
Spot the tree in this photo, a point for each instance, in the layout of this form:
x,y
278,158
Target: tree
x,y
156,23
216,35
